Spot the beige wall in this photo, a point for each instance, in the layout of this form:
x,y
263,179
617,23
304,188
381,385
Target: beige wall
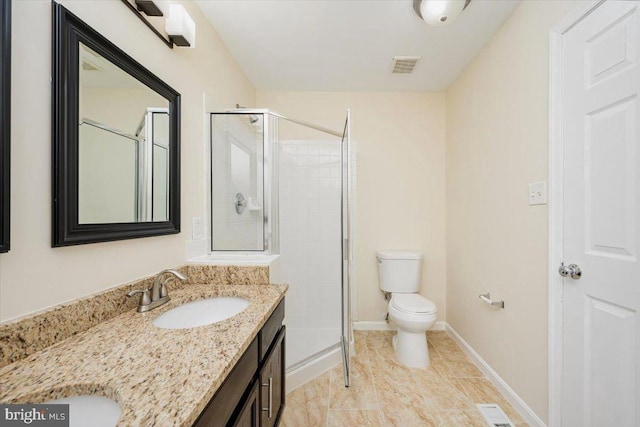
x,y
120,108
34,276
497,143
400,139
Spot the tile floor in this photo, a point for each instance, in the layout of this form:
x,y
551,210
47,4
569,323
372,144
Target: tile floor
x,y
384,393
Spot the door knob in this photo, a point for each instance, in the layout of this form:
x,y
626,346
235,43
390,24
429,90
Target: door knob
x,y
571,270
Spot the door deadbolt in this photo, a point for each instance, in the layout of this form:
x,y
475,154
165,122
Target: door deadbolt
x,y
571,270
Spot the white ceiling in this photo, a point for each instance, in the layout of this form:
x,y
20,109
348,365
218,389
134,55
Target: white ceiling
x,y
336,45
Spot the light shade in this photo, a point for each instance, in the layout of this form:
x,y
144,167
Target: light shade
x,y
180,27
441,12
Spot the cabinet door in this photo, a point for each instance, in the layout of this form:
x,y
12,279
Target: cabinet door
x,y
219,412
249,415
272,383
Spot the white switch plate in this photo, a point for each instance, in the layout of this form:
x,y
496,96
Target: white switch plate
x,y
538,193
196,230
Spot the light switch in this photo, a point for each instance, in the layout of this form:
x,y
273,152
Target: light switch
x,y
196,231
538,193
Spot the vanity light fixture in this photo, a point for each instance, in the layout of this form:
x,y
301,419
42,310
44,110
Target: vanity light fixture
x,y
180,26
170,22
439,12
148,7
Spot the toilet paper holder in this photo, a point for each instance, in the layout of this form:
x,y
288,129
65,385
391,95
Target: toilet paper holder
x,y
487,298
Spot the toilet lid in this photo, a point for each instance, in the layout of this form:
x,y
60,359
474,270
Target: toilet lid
x,y
413,303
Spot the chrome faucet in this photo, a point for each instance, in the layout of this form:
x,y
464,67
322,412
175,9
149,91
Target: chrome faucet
x,y
157,295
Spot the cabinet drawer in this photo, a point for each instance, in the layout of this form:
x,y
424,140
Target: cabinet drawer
x,y
230,393
270,329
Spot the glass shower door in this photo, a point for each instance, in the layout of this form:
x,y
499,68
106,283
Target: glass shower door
x,y
237,186
345,182
310,247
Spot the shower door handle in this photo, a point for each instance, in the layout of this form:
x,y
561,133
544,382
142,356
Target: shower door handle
x,y
345,246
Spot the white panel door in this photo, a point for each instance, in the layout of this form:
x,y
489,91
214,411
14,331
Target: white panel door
x,y
601,158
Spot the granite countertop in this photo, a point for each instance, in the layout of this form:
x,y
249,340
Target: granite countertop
x,y
158,376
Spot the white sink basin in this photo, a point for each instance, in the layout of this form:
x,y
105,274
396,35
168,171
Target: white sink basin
x,y
201,313
95,411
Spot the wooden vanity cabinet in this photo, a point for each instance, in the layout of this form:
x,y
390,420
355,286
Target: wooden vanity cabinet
x,y
249,415
244,397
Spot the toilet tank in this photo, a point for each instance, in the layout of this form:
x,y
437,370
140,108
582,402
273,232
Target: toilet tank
x,y
399,271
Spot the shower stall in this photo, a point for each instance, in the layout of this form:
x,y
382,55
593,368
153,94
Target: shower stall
x,y
289,196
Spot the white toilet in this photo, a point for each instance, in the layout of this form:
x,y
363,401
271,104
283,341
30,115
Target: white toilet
x,y
413,314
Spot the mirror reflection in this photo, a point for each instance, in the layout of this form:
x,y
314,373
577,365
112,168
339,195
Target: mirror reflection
x,y
123,153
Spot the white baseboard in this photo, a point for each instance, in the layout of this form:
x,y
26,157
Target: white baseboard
x,y
384,326
439,326
373,326
519,405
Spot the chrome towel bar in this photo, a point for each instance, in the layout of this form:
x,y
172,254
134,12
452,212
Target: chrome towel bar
x,y
487,298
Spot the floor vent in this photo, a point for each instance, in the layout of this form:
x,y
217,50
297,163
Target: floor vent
x,y
494,415
404,64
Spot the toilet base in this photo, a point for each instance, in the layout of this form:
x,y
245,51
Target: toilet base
x,y
411,349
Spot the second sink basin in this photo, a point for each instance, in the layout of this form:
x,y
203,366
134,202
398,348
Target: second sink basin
x,y
95,411
201,313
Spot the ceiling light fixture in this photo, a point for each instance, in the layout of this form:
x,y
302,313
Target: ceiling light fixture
x,y
439,12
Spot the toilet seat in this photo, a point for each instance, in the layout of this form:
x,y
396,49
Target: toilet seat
x,y
412,303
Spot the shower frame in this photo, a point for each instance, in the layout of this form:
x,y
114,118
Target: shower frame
x,y
145,163
271,213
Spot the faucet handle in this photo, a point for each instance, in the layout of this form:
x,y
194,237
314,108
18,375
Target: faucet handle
x,y
163,288
164,277
145,298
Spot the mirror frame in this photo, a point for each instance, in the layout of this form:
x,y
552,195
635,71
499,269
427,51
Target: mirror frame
x,y
5,123
68,32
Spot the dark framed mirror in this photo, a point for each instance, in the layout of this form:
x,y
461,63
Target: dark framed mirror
x,y
116,141
5,122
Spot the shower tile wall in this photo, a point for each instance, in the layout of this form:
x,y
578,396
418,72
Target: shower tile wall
x,y
237,168
310,245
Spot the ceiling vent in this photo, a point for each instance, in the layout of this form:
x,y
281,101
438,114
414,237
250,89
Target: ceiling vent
x,y
404,64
